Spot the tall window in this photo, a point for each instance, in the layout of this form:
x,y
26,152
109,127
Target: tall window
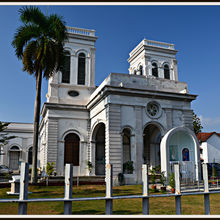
x,y
81,68
66,68
166,72
126,145
154,70
30,155
185,154
141,70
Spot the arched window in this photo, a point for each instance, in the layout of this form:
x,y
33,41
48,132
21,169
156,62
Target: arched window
x,y
126,138
66,68
71,152
14,156
30,151
185,154
154,70
81,68
141,70
166,71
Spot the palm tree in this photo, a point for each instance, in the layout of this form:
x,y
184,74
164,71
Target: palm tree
x,y
39,44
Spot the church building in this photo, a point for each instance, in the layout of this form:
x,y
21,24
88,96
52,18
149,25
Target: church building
x,y
143,116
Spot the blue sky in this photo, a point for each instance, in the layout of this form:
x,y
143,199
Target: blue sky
x,y
195,31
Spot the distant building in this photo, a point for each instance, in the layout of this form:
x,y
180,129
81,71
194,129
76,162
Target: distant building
x,y
209,147
141,117
20,148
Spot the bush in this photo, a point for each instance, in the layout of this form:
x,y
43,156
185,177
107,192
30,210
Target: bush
x,y
153,175
50,168
162,178
128,167
172,180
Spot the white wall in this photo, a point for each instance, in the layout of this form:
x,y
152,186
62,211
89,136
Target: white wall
x,y
213,149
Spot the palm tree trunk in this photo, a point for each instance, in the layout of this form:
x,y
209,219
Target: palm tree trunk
x,y
36,127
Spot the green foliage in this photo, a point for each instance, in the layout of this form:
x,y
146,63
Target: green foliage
x,y
4,138
128,167
172,180
196,124
162,178
89,165
39,41
50,168
153,175
214,171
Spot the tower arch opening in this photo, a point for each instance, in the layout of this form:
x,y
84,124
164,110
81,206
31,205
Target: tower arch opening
x,y
98,148
151,151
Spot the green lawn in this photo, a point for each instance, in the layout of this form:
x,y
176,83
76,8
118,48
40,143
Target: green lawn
x,y
191,205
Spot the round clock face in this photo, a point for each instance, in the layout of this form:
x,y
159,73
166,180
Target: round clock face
x,y
153,110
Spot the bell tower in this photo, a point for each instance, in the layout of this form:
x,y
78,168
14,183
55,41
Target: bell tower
x,y
154,59
76,81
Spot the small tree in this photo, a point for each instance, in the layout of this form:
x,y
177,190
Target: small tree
x,y
197,126
50,168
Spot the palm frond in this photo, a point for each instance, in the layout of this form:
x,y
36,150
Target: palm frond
x,y
33,15
22,36
29,57
57,28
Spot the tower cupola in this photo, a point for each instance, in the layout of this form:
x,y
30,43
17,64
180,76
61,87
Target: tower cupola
x,y
154,59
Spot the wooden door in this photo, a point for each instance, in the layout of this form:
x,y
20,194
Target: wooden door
x,y
71,153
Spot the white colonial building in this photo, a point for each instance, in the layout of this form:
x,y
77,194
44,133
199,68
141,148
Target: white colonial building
x,y
209,147
144,116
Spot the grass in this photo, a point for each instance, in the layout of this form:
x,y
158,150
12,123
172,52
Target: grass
x,y
191,205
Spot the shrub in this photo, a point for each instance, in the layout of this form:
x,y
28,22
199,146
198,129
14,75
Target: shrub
x,y
162,178
128,167
50,168
172,180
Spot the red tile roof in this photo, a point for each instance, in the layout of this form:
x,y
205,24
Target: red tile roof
x,y
204,136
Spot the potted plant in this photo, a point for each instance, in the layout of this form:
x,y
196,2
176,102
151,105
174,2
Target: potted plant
x,y
89,166
128,167
172,182
153,178
214,174
162,181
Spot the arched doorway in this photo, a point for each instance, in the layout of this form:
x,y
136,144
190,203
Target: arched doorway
x,y
71,151
99,139
14,154
180,145
152,138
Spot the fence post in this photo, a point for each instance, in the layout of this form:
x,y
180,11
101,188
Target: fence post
x,y
177,189
68,189
206,188
145,201
23,195
109,181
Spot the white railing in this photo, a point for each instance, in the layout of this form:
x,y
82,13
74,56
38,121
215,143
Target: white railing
x,y
80,31
23,199
159,44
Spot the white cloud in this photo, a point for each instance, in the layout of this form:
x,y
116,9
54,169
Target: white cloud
x,y
210,123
